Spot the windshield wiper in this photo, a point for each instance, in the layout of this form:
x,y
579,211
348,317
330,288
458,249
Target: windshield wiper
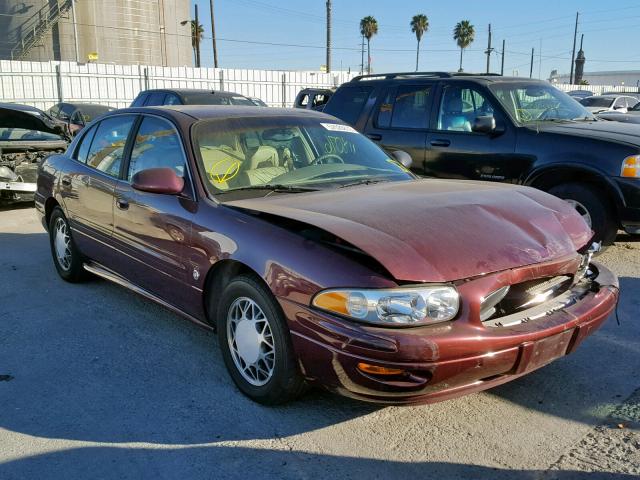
x,y
275,188
366,181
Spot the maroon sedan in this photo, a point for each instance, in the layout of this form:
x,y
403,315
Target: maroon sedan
x,y
318,258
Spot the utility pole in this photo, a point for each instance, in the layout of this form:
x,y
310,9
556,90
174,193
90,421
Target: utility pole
x,y
75,29
573,55
362,57
531,69
488,51
328,61
213,37
502,65
197,38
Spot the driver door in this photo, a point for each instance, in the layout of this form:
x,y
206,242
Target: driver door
x,y
454,150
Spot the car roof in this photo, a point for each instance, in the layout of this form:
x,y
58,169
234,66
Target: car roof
x,y
203,112
417,76
20,107
193,91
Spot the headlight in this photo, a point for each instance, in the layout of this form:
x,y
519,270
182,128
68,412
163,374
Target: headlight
x,y
395,307
6,172
631,167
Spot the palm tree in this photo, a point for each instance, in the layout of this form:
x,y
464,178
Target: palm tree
x,y
368,28
197,34
463,34
419,26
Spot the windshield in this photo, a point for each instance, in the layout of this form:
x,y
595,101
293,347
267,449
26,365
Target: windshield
x,y
23,134
89,112
604,102
636,108
536,102
216,99
288,152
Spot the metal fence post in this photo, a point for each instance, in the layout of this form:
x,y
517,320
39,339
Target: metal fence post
x,y
59,84
221,80
284,90
146,78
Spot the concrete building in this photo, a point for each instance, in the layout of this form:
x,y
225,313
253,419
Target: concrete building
x,y
145,32
627,78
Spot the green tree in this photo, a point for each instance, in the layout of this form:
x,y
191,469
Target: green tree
x,y
197,34
419,26
463,34
368,28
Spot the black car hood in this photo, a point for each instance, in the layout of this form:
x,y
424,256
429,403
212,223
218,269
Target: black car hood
x,y
14,118
620,132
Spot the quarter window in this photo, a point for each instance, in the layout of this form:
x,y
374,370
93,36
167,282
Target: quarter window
x,y
107,147
85,144
157,145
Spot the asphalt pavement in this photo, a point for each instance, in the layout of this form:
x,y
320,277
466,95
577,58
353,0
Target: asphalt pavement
x,y
96,382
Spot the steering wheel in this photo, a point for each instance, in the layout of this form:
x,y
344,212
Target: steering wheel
x,y
325,159
524,115
556,109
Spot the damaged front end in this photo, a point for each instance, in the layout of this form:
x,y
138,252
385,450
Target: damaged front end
x,y
27,137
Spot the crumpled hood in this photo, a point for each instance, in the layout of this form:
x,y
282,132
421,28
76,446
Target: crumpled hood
x,y
18,118
439,230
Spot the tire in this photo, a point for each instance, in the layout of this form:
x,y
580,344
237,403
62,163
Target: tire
x,y
70,268
247,310
593,202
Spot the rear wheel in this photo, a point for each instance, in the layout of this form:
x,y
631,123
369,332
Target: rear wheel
x,y
593,207
66,256
256,343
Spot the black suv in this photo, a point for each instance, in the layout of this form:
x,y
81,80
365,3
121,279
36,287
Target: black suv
x,y
489,127
185,96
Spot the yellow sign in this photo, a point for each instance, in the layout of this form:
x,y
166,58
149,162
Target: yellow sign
x,y
93,56
323,68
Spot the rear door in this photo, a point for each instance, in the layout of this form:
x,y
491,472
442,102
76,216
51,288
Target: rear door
x,y
456,151
151,229
400,120
88,186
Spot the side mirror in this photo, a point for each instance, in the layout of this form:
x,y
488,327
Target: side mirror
x,y
403,158
158,180
484,124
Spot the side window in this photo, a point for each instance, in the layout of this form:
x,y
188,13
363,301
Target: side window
x,y
77,118
172,99
347,103
460,106
410,107
139,101
107,147
154,99
383,119
157,145
304,100
85,143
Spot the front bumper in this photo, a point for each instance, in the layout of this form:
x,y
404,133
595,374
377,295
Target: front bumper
x,y
17,191
446,360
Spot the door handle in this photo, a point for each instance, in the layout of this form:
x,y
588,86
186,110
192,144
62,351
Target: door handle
x,y
374,136
66,181
122,204
441,142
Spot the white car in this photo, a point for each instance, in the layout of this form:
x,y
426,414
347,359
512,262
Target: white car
x,y
609,103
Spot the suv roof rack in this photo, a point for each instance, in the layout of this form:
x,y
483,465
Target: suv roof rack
x,y
388,76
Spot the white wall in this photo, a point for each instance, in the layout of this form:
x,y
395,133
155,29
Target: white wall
x,y
38,83
596,89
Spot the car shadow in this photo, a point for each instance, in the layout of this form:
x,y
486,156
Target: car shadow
x,y
237,462
94,362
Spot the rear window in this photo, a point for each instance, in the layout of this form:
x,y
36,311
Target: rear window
x,y
347,103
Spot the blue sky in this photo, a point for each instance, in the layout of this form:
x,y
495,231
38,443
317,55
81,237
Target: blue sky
x,y
610,29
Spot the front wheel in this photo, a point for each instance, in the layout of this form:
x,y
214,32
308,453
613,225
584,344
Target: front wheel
x,y
256,343
66,256
593,207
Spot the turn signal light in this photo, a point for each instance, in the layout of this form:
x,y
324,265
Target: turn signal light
x,y
376,370
631,167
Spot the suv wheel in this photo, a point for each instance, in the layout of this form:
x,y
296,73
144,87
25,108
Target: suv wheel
x,y
256,343
594,208
66,256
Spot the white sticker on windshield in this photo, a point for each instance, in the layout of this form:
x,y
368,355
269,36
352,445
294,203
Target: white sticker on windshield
x,y
336,127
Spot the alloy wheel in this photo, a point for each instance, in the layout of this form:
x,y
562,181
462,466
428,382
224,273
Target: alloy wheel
x,y
581,209
251,341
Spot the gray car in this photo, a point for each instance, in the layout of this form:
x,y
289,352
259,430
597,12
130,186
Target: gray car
x,y
632,115
609,103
